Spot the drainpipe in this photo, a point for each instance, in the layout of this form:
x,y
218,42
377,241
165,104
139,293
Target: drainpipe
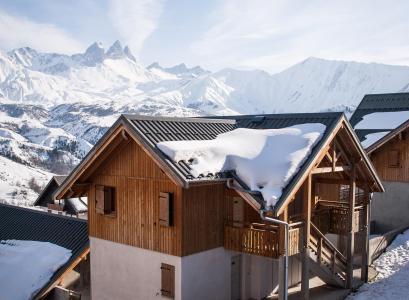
x,y
287,227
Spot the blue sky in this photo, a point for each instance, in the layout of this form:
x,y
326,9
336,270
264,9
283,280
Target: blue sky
x,y
246,34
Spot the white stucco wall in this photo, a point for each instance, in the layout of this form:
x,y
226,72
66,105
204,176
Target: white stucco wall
x,y
206,275
390,209
123,272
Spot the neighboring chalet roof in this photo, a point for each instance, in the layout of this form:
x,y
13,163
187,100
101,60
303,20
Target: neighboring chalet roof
x,y
378,133
59,179
148,131
17,223
50,188
74,206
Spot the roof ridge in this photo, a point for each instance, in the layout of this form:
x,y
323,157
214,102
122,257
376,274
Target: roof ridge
x,y
28,209
210,119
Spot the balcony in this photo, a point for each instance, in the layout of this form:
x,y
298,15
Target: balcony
x,y
260,239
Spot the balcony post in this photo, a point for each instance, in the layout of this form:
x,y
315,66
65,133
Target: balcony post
x,y
351,229
305,255
366,232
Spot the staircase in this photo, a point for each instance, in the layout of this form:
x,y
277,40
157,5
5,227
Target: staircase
x,y
325,259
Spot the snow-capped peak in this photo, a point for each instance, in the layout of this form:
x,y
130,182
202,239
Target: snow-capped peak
x,y
94,54
180,70
115,51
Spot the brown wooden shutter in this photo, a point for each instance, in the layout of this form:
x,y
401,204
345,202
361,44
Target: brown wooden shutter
x,y
393,159
168,280
165,209
99,199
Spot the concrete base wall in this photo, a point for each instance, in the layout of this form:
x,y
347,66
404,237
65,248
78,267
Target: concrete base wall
x,y
206,275
124,272
390,210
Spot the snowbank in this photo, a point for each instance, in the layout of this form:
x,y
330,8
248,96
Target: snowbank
x,y
26,266
393,268
265,160
383,120
371,138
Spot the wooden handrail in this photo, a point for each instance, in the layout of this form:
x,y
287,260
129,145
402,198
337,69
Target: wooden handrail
x,y
339,255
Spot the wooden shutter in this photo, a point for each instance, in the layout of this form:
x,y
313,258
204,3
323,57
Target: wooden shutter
x,y
99,199
165,209
393,159
168,280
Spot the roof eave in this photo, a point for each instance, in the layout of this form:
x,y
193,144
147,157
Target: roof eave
x,y
387,137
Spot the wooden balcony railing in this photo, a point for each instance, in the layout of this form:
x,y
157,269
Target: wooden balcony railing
x,y
259,239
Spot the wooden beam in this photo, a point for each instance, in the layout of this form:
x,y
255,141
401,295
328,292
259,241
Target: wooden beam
x,y
334,155
305,255
351,229
365,254
330,169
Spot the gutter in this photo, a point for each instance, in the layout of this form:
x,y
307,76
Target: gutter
x,y
287,228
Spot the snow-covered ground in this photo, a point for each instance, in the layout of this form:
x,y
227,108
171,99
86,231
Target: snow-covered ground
x,y
26,266
265,160
15,182
392,282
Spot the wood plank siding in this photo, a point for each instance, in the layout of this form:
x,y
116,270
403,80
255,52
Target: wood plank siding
x,y
138,182
390,167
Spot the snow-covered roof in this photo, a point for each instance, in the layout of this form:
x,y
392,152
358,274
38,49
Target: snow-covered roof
x,y
264,159
151,131
383,120
372,138
26,266
66,235
77,205
379,114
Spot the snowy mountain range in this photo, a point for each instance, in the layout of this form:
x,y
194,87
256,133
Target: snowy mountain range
x,y
54,107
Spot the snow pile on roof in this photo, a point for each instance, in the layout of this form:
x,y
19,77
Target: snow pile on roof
x,y
383,120
26,266
393,268
78,204
265,159
372,138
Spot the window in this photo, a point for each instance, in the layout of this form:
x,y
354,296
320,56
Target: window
x,y
168,280
393,159
105,200
166,209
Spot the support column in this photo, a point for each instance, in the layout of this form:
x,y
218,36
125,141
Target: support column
x,y
351,229
365,254
281,274
305,255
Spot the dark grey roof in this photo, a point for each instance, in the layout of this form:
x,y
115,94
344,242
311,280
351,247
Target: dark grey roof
x,y
59,179
378,103
153,130
27,224
45,195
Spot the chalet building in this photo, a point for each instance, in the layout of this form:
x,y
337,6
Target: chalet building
x,y
72,206
160,229
19,225
381,121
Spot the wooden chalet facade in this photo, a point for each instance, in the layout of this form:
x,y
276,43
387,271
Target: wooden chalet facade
x,y
157,231
389,153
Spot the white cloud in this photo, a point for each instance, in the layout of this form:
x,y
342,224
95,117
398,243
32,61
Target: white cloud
x,y
19,32
135,20
276,34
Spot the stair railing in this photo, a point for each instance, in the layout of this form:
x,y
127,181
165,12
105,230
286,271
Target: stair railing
x,y
327,253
